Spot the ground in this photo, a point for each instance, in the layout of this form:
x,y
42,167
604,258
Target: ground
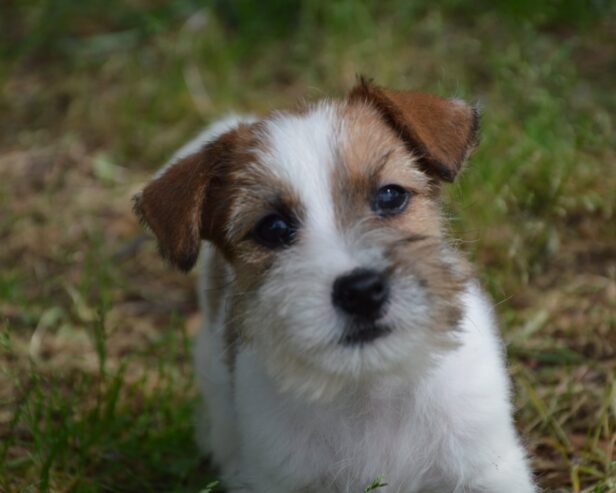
x,y
96,389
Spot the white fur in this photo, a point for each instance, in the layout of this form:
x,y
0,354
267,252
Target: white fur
x,y
301,152
452,433
302,414
298,327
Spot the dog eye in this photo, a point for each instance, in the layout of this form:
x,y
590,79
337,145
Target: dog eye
x,y
390,200
274,231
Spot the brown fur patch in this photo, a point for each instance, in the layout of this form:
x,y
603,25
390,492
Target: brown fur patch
x,y
442,272
221,192
440,132
257,193
187,202
370,156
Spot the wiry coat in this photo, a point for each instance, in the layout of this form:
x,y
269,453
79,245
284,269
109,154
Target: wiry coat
x,y
290,405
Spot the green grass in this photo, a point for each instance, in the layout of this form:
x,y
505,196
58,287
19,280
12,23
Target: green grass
x,y
96,392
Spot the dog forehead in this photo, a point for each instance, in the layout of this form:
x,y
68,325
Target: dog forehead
x,y
325,151
306,148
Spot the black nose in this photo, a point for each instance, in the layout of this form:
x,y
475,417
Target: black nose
x,y
362,293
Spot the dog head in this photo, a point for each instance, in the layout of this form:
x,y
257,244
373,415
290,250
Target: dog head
x,y
330,219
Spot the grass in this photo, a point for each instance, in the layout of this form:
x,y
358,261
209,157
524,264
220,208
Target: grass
x,y
96,392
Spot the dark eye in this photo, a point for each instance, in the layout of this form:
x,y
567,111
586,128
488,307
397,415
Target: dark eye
x,y
274,231
390,200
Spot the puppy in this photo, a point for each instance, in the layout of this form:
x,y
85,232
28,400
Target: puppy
x,y
344,338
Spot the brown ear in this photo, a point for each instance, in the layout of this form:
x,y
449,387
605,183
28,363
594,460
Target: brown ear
x,y
442,133
173,204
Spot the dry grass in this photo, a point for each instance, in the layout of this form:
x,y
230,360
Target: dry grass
x,y
96,392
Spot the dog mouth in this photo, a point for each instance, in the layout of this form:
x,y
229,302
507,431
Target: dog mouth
x,y
360,332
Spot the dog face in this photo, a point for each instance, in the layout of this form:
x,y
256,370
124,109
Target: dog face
x,y
330,219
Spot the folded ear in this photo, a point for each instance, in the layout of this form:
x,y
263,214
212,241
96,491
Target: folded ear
x,y
440,132
180,205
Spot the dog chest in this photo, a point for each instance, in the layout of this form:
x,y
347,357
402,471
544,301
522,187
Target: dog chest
x,y
342,445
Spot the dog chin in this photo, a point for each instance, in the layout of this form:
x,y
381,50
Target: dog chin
x,y
382,353
320,356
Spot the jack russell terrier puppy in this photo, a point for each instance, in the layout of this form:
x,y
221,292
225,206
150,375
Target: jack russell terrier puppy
x,y
344,338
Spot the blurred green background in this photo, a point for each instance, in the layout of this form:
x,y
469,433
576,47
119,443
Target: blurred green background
x,y
96,392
